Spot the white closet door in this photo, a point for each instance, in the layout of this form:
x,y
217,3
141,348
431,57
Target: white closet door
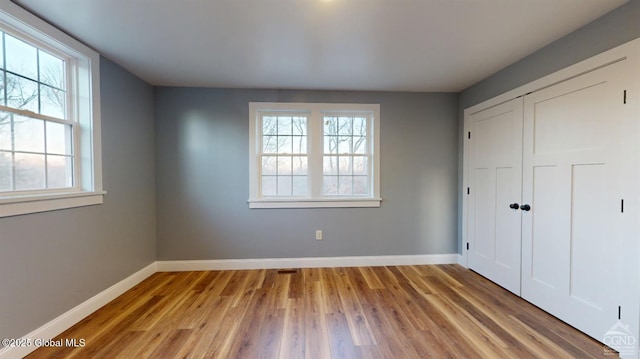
x,y
572,162
495,181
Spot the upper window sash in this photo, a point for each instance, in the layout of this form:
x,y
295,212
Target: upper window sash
x,y
49,67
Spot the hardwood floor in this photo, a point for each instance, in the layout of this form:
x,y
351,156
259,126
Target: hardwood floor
x,y
442,311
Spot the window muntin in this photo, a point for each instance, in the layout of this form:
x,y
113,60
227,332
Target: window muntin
x,y
36,134
329,160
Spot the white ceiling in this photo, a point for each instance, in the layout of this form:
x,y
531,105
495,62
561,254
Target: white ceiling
x,y
393,45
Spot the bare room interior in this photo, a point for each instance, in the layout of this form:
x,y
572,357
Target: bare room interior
x,y
319,179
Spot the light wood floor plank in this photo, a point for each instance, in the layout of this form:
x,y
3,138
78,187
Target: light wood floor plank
x,y
357,322
292,344
442,311
340,342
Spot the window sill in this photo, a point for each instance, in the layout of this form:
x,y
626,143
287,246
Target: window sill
x,y
316,203
14,206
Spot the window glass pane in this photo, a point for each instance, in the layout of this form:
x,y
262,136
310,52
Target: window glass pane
x,y
330,185
299,165
344,166
59,171
360,165
344,144
299,144
2,102
285,126
28,134
59,140
21,57
51,70
269,125
1,52
269,185
360,185
52,102
344,126
330,145
269,165
284,186
330,165
22,93
300,186
330,125
284,165
29,171
5,171
344,185
299,126
269,144
359,145
5,131
359,126
285,144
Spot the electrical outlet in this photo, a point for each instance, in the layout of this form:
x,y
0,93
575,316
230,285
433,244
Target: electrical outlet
x,y
319,235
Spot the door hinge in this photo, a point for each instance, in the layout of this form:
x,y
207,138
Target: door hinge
x,y
619,312
467,245
622,206
624,97
468,190
469,135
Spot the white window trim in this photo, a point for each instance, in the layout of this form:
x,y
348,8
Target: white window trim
x,y
312,202
86,81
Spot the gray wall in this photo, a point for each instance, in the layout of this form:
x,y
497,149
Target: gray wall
x,y
202,167
615,28
50,262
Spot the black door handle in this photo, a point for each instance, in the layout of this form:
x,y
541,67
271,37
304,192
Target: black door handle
x,y
514,206
525,207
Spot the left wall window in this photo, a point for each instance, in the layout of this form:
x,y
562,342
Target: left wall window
x,y
49,117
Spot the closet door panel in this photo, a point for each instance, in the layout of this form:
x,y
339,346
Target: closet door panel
x,y
507,233
495,180
571,162
570,122
588,203
548,248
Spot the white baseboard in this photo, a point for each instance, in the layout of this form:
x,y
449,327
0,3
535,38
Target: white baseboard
x,y
66,320
308,262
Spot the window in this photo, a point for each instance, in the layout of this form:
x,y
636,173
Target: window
x,y
284,169
36,137
345,159
314,155
49,123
